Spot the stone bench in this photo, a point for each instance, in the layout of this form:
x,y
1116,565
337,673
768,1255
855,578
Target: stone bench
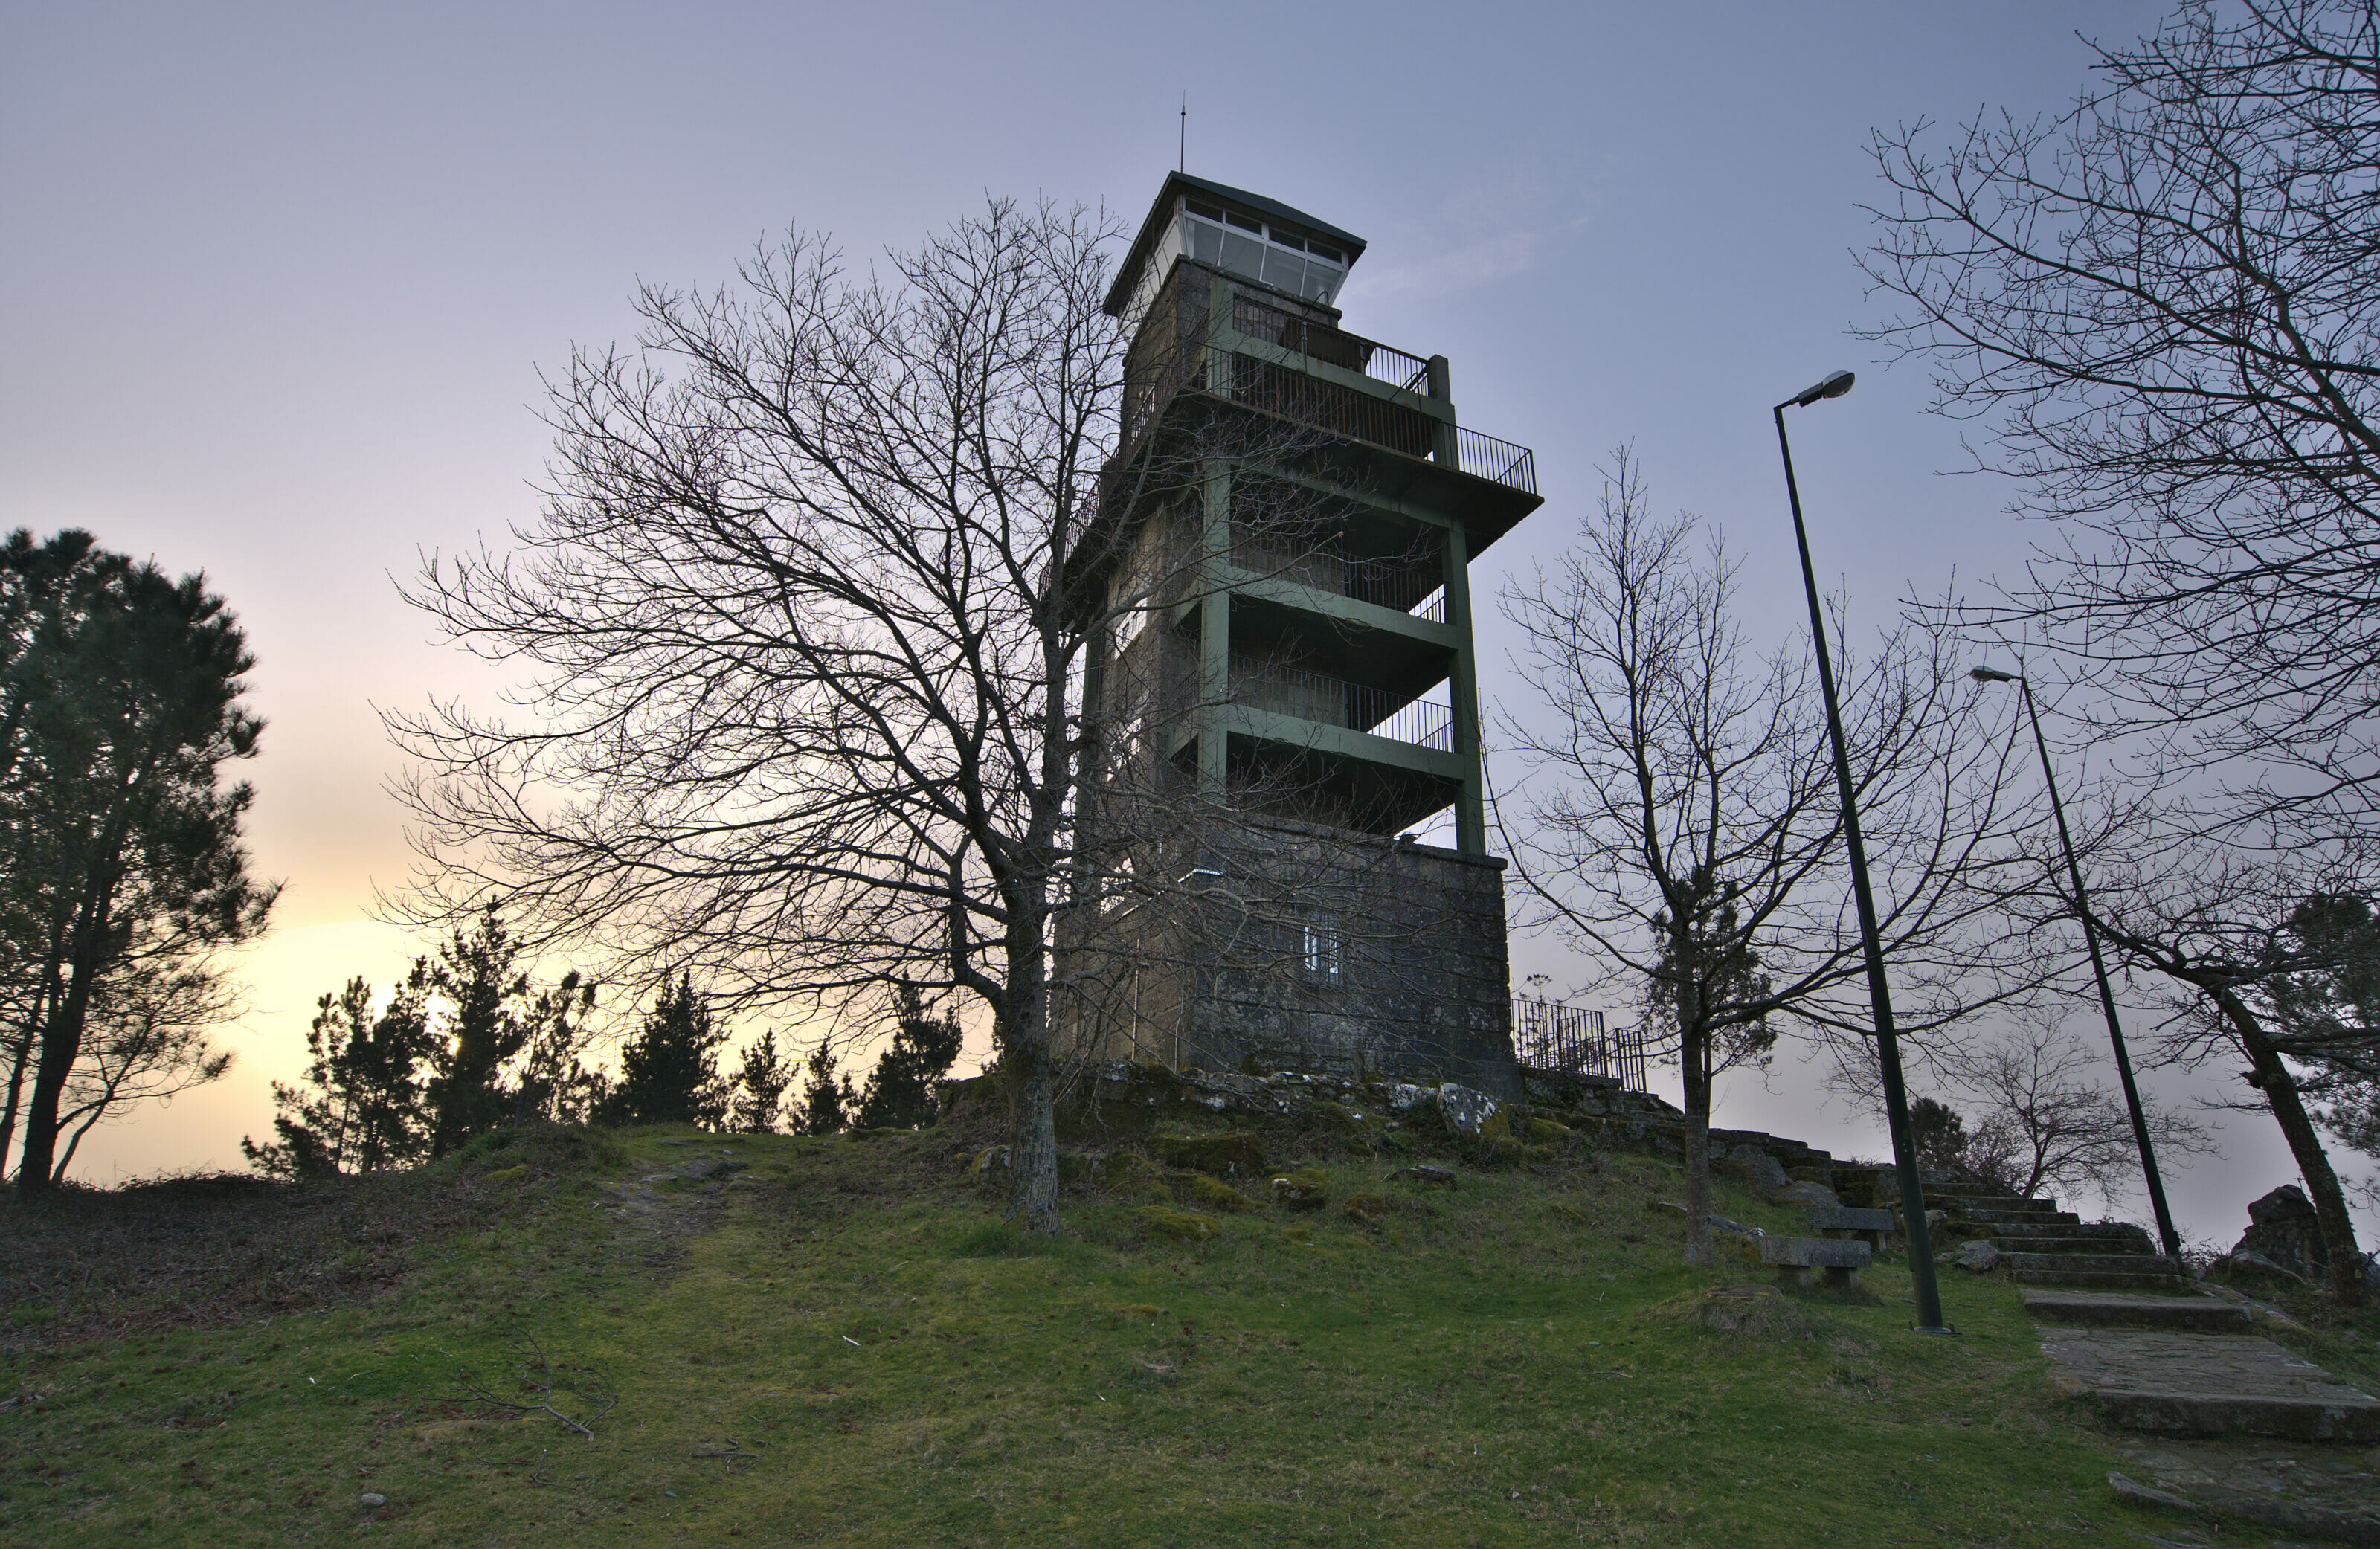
x,y
1794,1257
1844,1220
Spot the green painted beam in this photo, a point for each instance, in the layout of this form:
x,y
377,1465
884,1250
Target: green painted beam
x,y
1341,741
1335,608
1470,809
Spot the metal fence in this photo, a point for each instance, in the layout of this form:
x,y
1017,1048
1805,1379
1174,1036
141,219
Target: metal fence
x,y
1332,346
1513,467
1548,1035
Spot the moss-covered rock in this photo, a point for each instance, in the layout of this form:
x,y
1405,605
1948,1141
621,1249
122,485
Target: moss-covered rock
x,y
1178,1225
1324,1114
1499,1151
1365,1209
990,1165
1305,1188
1235,1154
1213,1193
1133,1175
1545,1131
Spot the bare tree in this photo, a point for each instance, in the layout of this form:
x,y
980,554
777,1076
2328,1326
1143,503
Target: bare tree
x,y
2217,926
2044,1119
809,613
2162,309
1685,829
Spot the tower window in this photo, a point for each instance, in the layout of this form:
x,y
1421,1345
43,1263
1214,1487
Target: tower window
x,y
1245,246
1326,952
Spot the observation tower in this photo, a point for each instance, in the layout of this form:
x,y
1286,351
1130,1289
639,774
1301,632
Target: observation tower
x,y
1285,690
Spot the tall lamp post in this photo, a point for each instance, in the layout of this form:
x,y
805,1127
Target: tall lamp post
x,y
1888,1047
2098,966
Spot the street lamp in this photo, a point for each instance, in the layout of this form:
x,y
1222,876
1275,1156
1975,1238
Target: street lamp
x,y
2098,966
1888,1047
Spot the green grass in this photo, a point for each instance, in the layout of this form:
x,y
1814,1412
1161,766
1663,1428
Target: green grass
x,y
1521,1362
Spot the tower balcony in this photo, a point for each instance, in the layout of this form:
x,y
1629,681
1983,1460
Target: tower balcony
x,y
1387,415
1330,701
1323,747
1399,584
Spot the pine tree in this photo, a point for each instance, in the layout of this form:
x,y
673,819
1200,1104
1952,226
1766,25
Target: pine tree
x,y
901,1089
367,1109
827,1099
1939,1135
759,1087
669,1071
497,1027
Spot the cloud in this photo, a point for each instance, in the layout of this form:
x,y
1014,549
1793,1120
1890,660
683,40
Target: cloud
x,y
1481,236
1481,260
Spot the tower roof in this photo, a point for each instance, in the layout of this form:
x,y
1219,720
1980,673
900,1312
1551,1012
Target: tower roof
x,y
1178,183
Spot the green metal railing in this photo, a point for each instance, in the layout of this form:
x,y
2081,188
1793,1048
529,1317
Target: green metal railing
x,y
1163,363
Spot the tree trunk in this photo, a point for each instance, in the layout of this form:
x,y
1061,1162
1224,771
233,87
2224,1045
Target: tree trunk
x,y
18,1057
1033,1145
2272,1077
61,1044
62,1033
1694,1065
58,1173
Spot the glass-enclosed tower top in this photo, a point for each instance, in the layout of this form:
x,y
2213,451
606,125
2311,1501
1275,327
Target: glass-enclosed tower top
x,y
1242,234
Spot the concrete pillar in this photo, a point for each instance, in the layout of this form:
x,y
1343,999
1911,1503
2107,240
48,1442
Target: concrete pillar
x,y
1471,808
1446,453
1214,633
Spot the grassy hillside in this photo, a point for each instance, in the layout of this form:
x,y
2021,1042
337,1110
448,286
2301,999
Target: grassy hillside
x,y
837,1343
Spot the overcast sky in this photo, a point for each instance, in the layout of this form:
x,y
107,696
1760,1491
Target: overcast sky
x,y
279,282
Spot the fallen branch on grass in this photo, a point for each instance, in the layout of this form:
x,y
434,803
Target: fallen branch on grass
x,y
540,1384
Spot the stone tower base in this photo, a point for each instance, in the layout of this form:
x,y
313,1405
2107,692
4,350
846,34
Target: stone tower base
x,y
1357,957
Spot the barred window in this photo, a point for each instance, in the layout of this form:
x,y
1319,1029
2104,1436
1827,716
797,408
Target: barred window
x,y
1326,952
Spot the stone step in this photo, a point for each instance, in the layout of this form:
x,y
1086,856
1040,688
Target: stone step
x,y
2019,1217
2200,1315
2101,1230
2215,1414
2127,1247
2208,1384
2130,1264
2105,1279
2007,1205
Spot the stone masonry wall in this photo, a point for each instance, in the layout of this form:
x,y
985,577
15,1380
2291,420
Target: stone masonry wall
x,y
1363,958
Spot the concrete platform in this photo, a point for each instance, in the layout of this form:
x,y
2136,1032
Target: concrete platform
x,y
2208,1384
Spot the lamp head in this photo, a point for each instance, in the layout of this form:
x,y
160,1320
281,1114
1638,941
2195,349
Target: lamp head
x,y
1833,386
1993,676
